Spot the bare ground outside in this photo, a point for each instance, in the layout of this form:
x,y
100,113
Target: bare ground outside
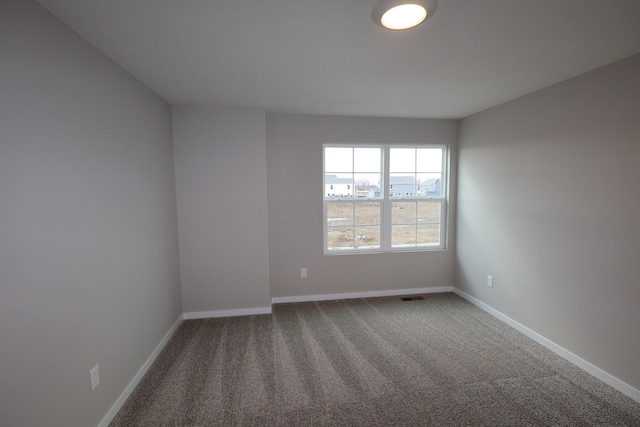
x,y
356,224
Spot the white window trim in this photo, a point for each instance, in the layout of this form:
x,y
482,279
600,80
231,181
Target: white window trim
x,y
385,202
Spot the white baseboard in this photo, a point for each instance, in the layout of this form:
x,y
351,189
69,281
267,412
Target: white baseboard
x,y
603,376
350,295
227,313
136,379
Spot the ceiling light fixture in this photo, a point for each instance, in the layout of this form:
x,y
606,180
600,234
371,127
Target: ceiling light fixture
x,y
402,14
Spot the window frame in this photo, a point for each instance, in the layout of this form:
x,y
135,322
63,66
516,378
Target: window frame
x,y
386,201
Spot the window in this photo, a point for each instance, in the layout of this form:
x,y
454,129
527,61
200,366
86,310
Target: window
x,y
384,198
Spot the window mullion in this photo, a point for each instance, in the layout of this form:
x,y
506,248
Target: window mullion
x,y
386,203
353,219
416,224
353,203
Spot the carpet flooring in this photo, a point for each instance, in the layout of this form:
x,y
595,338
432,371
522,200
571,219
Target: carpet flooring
x,y
435,360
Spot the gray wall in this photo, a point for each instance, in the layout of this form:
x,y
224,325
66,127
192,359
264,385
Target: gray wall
x,y
88,231
294,168
221,174
549,203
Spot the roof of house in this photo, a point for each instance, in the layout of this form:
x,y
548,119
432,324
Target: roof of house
x,y
334,179
430,181
399,179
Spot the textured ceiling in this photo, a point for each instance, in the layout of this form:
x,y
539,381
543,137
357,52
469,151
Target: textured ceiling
x,y
328,57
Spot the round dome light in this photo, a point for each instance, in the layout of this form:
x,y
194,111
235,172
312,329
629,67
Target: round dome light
x,y
402,14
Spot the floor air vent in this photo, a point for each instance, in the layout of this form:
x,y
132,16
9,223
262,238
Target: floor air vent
x,y
411,298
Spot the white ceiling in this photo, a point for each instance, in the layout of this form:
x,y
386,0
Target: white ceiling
x,y
328,57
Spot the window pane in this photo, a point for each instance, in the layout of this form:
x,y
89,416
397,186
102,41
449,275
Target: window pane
x,y
367,159
338,185
429,234
339,213
403,212
402,160
430,184
339,237
367,213
367,185
368,237
429,211
403,235
402,185
338,159
429,160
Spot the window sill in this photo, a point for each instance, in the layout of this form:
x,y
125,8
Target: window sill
x,y
389,251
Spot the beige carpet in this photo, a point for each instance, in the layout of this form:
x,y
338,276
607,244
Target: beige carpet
x,y
436,361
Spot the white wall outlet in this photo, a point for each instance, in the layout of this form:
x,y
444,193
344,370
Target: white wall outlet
x,y
490,281
303,272
95,377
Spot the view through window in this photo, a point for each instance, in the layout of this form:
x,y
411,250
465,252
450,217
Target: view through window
x,y
384,198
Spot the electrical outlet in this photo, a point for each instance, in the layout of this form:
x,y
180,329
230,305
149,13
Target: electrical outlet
x,y
303,272
95,377
490,281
